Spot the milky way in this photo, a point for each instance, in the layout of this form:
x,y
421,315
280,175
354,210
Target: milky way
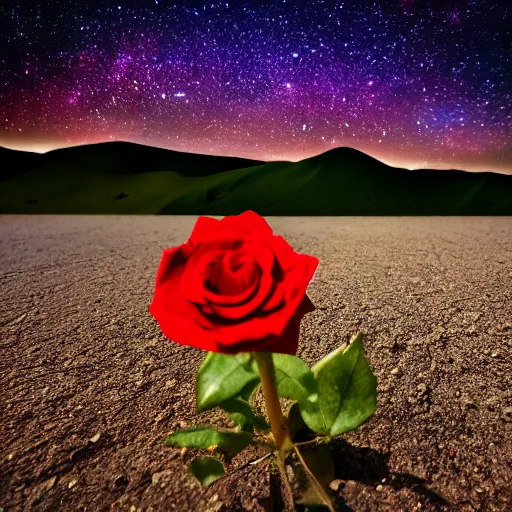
x,y
414,83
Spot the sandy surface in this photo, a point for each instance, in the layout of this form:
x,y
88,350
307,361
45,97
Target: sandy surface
x,y
80,357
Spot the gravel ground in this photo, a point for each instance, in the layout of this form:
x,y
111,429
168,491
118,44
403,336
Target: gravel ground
x,y
90,386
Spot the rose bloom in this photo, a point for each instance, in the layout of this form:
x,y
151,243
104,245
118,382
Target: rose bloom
x,y
233,287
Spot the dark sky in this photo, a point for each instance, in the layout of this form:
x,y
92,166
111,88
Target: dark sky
x,y
414,83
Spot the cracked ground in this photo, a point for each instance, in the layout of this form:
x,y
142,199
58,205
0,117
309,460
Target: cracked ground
x,y
90,387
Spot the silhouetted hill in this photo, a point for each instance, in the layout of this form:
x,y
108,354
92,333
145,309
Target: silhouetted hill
x,y
123,158
128,178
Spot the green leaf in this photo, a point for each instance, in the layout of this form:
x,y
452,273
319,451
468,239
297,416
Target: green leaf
x,y
241,413
294,380
319,467
299,431
206,437
223,376
347,388
206,470
250,389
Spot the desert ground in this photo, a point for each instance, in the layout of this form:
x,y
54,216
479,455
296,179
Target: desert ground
x,y
90,387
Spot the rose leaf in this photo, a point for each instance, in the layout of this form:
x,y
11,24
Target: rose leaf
x,y
223,376
206,470
294,380
347,388
242,415
207,437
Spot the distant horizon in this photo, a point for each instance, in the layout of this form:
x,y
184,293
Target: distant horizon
x,y
407,82
504,168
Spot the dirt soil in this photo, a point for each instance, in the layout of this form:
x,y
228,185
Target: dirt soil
x,y
90,387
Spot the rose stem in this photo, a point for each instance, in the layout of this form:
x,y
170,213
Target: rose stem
x,y
275,414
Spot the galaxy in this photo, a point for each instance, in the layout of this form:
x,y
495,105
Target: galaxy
x,y
413,83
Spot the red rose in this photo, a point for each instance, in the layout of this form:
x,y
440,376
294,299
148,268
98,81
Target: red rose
x,y
233,287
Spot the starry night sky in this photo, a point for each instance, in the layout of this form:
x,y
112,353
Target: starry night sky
x,y
413,83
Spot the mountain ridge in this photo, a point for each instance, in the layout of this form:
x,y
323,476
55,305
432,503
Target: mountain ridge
x,y
123,177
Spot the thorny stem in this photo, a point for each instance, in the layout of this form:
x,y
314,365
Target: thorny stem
x,y
278,422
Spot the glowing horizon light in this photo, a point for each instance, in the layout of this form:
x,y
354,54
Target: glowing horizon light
x,y
183,77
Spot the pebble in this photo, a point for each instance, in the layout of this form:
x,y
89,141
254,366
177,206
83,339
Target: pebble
x,y
95,438
72,483
51,482
335,484
120,481
394,371
507,414
379,488
290,473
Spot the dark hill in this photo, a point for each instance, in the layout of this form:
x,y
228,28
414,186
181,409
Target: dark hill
x,y
121,158
127,178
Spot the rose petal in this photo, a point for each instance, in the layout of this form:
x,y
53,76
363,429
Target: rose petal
x,y
276,298
195,273
235,274
203,228
179,319
286,343
261,326
255,222
168,263
264,259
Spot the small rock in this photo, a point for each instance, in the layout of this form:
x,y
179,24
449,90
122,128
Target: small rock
x,y
120,481
51,482
422,387
507,414
335,484
494,354
10,456
394,371
72,484
95,438
379,488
